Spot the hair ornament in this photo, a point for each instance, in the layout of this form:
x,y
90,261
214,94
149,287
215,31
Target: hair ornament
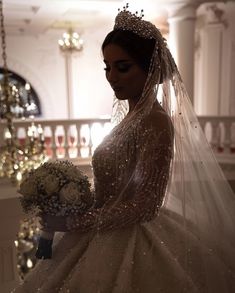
x,y
125,20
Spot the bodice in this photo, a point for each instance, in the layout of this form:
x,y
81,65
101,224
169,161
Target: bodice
x,y
114,161
131,171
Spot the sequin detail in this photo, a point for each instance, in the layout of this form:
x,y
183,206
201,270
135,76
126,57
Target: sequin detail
x,y
131,171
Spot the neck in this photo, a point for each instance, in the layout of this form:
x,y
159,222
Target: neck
x,y
132,102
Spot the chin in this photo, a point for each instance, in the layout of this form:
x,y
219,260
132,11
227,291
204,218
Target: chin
x,y
120,97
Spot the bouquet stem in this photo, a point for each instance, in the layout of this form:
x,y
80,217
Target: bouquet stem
x,y
44,250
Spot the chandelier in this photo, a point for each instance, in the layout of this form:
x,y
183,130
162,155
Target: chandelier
x,y
70,42
16,158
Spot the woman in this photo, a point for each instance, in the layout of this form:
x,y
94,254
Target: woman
x,y
138,237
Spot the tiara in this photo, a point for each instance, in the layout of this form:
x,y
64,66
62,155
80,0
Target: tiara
x,y
125,20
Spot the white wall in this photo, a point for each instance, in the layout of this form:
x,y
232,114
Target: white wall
x,y
215,62
38,59
93,95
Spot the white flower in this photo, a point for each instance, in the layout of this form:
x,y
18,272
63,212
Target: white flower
x,y
51,184
73,173
28,187
48,179
69,193
41,172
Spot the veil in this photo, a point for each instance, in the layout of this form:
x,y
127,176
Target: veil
x,y
198,195
164,212
163,218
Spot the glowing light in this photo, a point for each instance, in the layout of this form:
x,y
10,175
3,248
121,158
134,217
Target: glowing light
x,y
70,42
29,263
19,176
7,134
27,86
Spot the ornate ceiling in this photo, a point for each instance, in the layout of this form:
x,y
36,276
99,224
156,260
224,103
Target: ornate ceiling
x,y
35,17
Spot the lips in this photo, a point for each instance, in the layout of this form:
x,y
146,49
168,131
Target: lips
x,y
117,88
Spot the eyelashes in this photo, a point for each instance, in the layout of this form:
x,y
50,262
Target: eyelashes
x,y
122,68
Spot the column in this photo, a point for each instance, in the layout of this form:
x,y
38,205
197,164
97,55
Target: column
x,y
181,41
69,83
69,45
10,214
215,64
231,83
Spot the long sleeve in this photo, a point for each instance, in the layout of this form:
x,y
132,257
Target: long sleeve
x,y
148,181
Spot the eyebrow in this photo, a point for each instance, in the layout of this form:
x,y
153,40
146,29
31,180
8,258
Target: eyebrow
x,y
119,61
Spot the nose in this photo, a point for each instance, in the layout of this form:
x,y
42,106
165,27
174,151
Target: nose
x,y
112,76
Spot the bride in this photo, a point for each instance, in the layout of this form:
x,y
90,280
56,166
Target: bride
x,y
163,219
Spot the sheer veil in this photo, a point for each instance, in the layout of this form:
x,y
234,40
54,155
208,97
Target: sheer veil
x,y
163,218
198,195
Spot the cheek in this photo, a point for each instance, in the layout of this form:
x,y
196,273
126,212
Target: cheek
x,y
107,76
139,76
139,81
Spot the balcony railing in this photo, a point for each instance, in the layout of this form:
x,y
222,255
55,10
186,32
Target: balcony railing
x,y
76,139
220,132
65,139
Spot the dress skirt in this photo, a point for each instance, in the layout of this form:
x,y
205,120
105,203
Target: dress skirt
x,y
147,257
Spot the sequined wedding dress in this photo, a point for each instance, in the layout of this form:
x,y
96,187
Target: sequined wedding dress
x,y
164,216
142,249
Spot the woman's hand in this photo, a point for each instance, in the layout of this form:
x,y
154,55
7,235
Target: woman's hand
x,y
53,223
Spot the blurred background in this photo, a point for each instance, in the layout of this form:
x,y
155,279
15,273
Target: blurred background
x,y
201,30
52,65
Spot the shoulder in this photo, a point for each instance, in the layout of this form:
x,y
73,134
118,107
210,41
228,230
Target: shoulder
x,y
159,122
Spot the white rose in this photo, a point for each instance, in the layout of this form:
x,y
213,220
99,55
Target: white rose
x,y
28,187
69,193
51,184
73,173
41,172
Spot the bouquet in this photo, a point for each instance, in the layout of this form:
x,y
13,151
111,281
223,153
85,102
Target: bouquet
x,y
56,188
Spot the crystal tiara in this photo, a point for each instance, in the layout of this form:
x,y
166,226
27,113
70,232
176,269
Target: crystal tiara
x,y
125,20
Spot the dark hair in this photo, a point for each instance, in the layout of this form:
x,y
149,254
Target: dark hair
x,y
140,49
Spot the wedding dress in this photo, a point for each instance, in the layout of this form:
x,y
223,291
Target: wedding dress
x,y
138,252
164,216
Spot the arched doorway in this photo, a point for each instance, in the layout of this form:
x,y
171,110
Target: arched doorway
x,y
26,92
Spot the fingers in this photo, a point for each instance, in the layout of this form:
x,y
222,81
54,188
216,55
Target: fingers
x,y
43,223
45,220
53,223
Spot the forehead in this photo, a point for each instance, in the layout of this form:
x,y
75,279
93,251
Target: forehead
x,y
113,53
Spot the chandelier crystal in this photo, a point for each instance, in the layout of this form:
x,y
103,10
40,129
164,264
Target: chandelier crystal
x,y
70,42
16,158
